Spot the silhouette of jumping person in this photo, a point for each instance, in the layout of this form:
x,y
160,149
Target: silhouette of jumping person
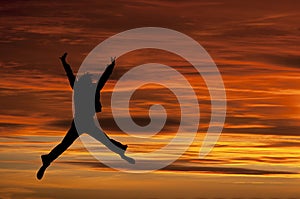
x,y
85,105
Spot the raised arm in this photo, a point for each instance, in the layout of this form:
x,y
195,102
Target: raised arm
x,y
68,69
106,74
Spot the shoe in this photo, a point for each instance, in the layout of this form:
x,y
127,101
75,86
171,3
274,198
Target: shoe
x,y
43,168
128,159
41,172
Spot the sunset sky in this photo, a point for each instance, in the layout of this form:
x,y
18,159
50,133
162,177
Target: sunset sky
x,y
256,46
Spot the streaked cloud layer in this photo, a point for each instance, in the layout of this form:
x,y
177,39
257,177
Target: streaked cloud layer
x,y
255,45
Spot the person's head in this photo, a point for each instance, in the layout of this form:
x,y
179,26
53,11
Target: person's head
x,y
84,95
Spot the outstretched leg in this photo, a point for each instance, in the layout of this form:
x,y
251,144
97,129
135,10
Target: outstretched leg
x,y
111,144
69,138
118,144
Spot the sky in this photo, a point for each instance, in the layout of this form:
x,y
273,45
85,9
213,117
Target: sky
x,y
255,45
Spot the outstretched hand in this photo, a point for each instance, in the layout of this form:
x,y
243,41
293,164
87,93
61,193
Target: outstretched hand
x,y
63,57
113,60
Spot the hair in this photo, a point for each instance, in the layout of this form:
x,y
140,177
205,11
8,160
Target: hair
x,y
84,95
